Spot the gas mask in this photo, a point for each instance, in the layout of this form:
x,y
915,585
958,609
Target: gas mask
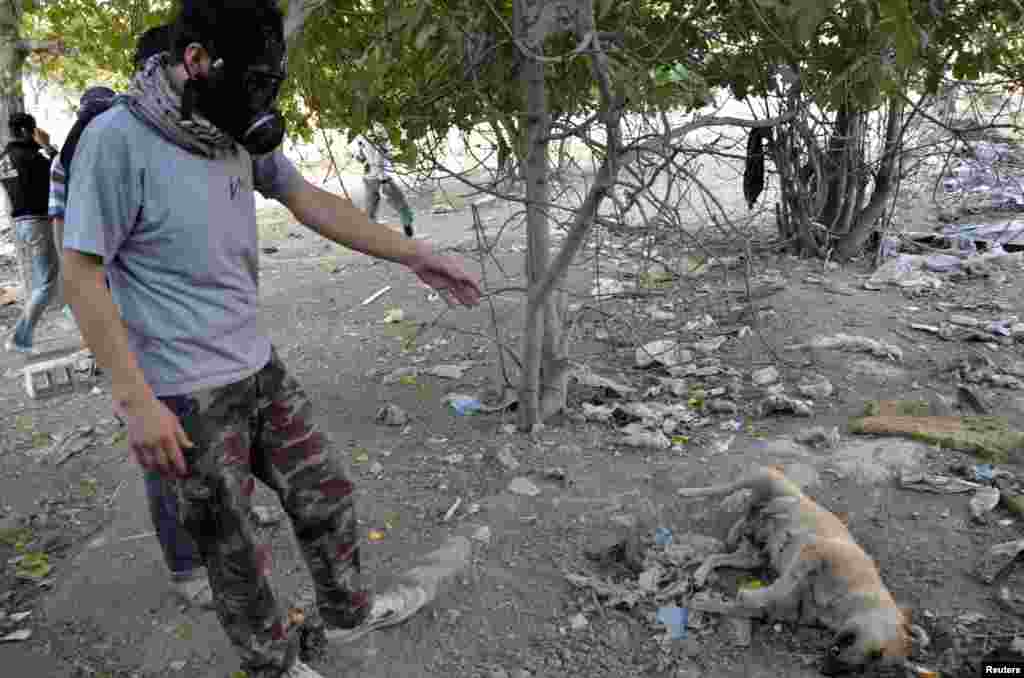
x,y
238,97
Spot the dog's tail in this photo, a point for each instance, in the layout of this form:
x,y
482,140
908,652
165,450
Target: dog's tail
x,y
766,482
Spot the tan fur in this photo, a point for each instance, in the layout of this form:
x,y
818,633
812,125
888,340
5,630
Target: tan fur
x,y
824,577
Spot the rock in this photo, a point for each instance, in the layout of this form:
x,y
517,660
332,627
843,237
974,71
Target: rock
x,y
765,376
819,436
721,406
709,346
816,387
666,352
781,404
507,459
523,486
392,415
578,621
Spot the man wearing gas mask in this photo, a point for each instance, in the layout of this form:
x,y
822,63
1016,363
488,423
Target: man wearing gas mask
x,y
161,200
24,174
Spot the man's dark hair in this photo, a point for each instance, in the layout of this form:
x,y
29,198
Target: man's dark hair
x,y
21,125
230,29
153,41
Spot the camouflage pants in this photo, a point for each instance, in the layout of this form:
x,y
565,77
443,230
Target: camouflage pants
x,y
262,428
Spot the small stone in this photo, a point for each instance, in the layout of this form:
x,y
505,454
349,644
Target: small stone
x,y
578,621
765,376
523,486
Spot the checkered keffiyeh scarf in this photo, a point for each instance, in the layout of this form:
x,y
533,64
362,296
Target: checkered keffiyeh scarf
x,y
151,98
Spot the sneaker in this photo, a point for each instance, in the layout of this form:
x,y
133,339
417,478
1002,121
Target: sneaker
x,y
196,592
301,670
389,609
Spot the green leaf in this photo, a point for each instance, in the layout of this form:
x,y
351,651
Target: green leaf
x,y
425,34
33,565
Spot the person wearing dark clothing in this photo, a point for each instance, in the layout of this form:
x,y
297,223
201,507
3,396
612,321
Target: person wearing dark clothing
x,y
25,175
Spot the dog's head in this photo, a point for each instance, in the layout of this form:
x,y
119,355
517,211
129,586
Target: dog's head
x,y
878,637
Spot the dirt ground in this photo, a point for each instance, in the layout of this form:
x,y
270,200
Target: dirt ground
x,y
77,553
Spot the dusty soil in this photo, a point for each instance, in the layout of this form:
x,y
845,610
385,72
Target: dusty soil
x,y
103,608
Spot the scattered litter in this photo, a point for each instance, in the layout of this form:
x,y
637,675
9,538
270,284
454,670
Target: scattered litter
x,y
375,535
942,263
936,484
454,458
450,371
641,438
578,622
817,387
395,315
451,510
649,579
606,287
847,342
462,404
507,459
722,406
376,295
742,629
266,516
376,468
665,352
614,594
663,536
983,502
586,377
675,619
689,549
677,387
18,636
19,617
984,473
765,376
906,270
360,455
819,436
783,404
523,486
392,415
482,534
709,346
998,558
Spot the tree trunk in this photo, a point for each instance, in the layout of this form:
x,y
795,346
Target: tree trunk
x,y
864,223
12,57
535,128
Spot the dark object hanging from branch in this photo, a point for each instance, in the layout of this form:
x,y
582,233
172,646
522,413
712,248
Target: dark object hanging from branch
x,y
753,173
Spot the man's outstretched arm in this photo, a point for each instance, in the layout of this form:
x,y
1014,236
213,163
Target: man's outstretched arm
x,y
338,220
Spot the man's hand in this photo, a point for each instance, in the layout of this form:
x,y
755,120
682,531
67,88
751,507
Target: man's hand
x,y
445,274
41,137
155,436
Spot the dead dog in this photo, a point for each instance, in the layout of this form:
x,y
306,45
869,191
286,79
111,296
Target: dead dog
x,y
824,577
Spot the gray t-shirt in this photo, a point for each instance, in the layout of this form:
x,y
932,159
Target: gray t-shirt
x,y
177,234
